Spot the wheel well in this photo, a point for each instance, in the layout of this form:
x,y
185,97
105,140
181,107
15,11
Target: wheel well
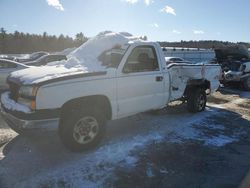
x,y
99,101
199,83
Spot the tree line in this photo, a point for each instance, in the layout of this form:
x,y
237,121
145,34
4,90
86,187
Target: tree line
x,y
205,44
19,42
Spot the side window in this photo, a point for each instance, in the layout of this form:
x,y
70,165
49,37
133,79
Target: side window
x,y
12,65
7,65
142,59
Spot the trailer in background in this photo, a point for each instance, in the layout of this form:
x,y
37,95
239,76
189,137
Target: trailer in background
x,y
195,55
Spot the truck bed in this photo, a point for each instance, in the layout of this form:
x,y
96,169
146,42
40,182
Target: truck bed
x,y
182,73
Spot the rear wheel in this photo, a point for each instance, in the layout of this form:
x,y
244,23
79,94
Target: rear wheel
x,y
197,100
82,130
246,84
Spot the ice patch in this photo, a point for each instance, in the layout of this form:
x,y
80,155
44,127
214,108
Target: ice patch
x,y
214,126
130,160
219,141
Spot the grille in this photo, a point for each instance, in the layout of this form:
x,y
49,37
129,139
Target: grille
x,y
14,90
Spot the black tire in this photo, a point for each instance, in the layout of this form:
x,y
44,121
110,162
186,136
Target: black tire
x,y
197,100
72,121
246,84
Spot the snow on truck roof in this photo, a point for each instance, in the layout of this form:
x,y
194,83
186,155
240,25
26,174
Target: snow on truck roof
x,y
82,59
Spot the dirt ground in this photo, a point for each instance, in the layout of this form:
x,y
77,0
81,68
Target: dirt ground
x,y
180,150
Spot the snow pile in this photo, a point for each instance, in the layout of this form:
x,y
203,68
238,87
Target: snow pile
x,y
83,59
87,55
12,105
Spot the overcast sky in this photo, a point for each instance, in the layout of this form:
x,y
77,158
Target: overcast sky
x,y
161,20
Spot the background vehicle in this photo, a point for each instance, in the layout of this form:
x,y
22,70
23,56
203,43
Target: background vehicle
x,y
193,55
137,79
46,59
170,60
235,63
6,67
31,57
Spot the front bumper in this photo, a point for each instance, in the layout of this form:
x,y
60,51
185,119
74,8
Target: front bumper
x,y
20,124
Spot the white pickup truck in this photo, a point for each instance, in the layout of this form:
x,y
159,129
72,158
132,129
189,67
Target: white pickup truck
x,y
136,79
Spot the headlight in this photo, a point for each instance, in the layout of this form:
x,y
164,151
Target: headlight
x,y
28,91
27,102
27,96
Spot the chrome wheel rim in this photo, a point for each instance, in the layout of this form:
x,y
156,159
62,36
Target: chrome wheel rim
x,y
201,102
85,130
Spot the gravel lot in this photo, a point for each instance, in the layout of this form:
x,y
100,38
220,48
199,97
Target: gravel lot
x,y
168,148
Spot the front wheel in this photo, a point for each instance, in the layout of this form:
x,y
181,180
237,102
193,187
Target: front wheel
x,y
246,84
83,130
197,100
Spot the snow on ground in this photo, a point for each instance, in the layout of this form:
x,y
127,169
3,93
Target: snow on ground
x,y
83,59
92,169
220,140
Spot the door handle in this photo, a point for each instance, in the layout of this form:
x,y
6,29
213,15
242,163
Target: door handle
x,y
159,78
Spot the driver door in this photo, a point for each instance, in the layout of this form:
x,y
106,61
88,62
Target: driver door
x,y
140,83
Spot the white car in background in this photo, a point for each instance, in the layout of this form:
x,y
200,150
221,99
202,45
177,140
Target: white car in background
x,y
170,60
6,67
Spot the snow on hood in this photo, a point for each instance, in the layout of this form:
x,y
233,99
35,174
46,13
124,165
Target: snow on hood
x,y
82,60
